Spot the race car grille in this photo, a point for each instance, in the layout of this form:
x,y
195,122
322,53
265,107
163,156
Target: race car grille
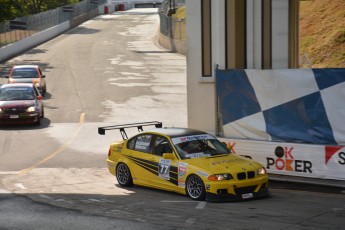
x,y
251,174
245,175
244,190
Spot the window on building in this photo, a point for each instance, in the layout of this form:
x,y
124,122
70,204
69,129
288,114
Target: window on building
x,y
206,38
235,14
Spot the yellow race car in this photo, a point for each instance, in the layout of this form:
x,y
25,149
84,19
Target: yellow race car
x,y
185,161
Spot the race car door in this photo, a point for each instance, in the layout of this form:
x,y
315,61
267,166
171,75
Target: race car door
x,y
167,170
144,169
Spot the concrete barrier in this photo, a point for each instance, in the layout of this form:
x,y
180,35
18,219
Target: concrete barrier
x,y
21,46
16,48
171,44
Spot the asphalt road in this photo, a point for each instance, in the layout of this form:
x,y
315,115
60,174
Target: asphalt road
x,y
106,71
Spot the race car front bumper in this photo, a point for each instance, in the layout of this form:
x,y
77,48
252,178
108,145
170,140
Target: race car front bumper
x,y
224,196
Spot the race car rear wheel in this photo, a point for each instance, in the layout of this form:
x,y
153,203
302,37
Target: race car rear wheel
x,y
123,175
195,187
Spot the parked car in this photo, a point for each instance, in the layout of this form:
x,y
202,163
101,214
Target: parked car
x,y
185,161
28,74
20,103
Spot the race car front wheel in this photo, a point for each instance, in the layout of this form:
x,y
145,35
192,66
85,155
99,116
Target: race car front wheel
x,y
195,187
123,175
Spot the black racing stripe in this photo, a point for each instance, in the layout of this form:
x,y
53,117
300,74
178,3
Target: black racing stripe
x,y
148,165
152,167
173,175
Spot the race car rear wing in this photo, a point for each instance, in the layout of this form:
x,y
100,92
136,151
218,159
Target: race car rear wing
x,y
101,130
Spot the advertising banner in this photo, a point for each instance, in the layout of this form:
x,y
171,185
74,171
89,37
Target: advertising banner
x,y
290,120
291,105
304,160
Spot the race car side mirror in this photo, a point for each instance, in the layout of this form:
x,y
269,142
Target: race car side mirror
x,y
168,156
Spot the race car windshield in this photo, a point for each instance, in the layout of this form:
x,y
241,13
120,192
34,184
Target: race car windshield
x,y
199,146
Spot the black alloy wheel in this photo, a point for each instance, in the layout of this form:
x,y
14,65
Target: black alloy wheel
x,y
123,175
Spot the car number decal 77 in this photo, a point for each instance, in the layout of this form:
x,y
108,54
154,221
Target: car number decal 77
x,y
164,169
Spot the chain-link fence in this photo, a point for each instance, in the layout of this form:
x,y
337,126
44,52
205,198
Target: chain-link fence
x,y
173,27
20,28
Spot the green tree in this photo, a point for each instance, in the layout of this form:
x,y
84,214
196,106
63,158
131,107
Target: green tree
x,y
10,9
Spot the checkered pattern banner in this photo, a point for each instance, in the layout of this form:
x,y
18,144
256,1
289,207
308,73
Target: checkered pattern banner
x,y
292,105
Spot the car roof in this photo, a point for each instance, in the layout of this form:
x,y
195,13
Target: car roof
x,y
17,85
175,132
24,66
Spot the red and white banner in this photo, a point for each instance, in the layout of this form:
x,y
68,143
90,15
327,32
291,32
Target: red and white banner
x,y
304,160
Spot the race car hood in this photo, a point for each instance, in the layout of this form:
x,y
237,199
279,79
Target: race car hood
x,y
225,164
14,104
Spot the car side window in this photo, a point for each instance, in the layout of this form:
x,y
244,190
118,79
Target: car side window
x,y
161,145
143,143
131,143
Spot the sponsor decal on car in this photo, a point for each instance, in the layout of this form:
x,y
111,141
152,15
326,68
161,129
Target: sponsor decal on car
x,y
228,161
182,169
191,138
117,148
202,174
198,155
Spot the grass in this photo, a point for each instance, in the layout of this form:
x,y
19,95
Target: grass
x,y
322,33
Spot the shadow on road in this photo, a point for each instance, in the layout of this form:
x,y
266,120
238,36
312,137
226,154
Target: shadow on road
x,y
45,123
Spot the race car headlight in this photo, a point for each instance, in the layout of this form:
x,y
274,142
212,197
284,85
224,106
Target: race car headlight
x,y
262,171
220,177
31,109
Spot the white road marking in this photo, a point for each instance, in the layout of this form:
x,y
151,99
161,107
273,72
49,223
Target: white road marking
x,y
20,185
94,200
190,221
201,205
45,196
63,200
9,172
4,191
176,201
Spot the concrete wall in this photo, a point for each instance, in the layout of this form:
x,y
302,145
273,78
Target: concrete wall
x,y
171,44
201,98
201,95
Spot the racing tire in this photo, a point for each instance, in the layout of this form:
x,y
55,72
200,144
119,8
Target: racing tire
x,y
195,187
123,175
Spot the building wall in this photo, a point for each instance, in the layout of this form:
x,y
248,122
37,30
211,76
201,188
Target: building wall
x,y
242,34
